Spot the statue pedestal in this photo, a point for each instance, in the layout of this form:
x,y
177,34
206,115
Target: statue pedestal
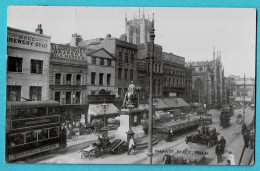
x,y
123,131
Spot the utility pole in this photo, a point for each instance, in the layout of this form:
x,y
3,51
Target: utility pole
x,y
150,129
244,115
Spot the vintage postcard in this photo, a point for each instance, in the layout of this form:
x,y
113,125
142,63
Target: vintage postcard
x,y
130,85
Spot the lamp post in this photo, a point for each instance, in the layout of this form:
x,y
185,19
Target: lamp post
x,y
130,133
150,129
104,107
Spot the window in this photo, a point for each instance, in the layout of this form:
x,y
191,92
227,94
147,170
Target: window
x,y
108,79
126,57
94,60
93,92
43,134
77,96
30,137
36,66
120,56
125,74
68,79
131,75
101,78
68,97
57,79
101,61
125,90
57,96
78,80
93,77
132,58
35,93
17,139
119,92
109,62
54,132
14,64
119,73
13,93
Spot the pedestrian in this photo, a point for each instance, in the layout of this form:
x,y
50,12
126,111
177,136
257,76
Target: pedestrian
x,y
218,151
244,128
231,158
246,138
131,146
252,138
223,143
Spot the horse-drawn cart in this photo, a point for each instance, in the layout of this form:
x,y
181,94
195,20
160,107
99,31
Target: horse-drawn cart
x,y
95,150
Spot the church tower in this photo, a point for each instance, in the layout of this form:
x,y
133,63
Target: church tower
x,y
138,29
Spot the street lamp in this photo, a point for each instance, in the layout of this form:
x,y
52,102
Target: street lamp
x,y
130,133
104,107
150,129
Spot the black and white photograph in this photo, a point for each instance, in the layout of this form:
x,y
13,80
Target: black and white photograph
x,y
130,85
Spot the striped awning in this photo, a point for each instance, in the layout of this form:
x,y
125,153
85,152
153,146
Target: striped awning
x,y
96,109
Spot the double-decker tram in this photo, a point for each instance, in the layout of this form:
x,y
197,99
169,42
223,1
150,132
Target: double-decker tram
x,y
32,127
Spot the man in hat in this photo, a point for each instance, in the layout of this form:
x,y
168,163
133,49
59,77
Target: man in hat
x,y
218,151
223,143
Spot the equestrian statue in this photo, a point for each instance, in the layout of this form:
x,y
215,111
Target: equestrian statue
x,y
131,97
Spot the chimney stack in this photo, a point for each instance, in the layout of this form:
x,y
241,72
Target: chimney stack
x,y
39,29
108,35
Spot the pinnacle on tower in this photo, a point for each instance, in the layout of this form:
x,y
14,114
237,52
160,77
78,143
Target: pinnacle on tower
x,y
214,53
143,14
139,12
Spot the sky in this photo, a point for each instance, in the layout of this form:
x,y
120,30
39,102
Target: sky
x,y
188,32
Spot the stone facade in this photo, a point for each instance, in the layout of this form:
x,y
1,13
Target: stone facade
x,y
28,55
208,81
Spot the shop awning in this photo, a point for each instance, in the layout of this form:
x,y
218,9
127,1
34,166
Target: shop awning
x,y
175,102
96,110
160,103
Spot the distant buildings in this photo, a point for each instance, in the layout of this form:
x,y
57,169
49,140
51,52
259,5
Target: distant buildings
x,y
237,92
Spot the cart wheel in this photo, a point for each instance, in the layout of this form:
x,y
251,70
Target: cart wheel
x,y
89,131
75,137
209,144
120,149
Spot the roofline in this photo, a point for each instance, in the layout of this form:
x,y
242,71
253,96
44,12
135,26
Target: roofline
x,y
104,50
28,32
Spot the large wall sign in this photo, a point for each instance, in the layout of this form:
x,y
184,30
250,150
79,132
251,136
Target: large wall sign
x,y
28,40
66,51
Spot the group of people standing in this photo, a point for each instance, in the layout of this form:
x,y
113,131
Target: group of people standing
x,y
248,136
220,149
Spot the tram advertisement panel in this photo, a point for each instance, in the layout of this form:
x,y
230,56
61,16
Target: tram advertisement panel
x,y
33,122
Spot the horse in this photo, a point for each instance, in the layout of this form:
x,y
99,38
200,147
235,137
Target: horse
x,y
130,99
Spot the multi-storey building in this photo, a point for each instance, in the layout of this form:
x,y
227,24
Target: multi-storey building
x,y
125,60
68,77
101,73
28,55
208,81
244,88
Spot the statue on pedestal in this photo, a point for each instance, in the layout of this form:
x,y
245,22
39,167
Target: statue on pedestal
x,y
131,97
